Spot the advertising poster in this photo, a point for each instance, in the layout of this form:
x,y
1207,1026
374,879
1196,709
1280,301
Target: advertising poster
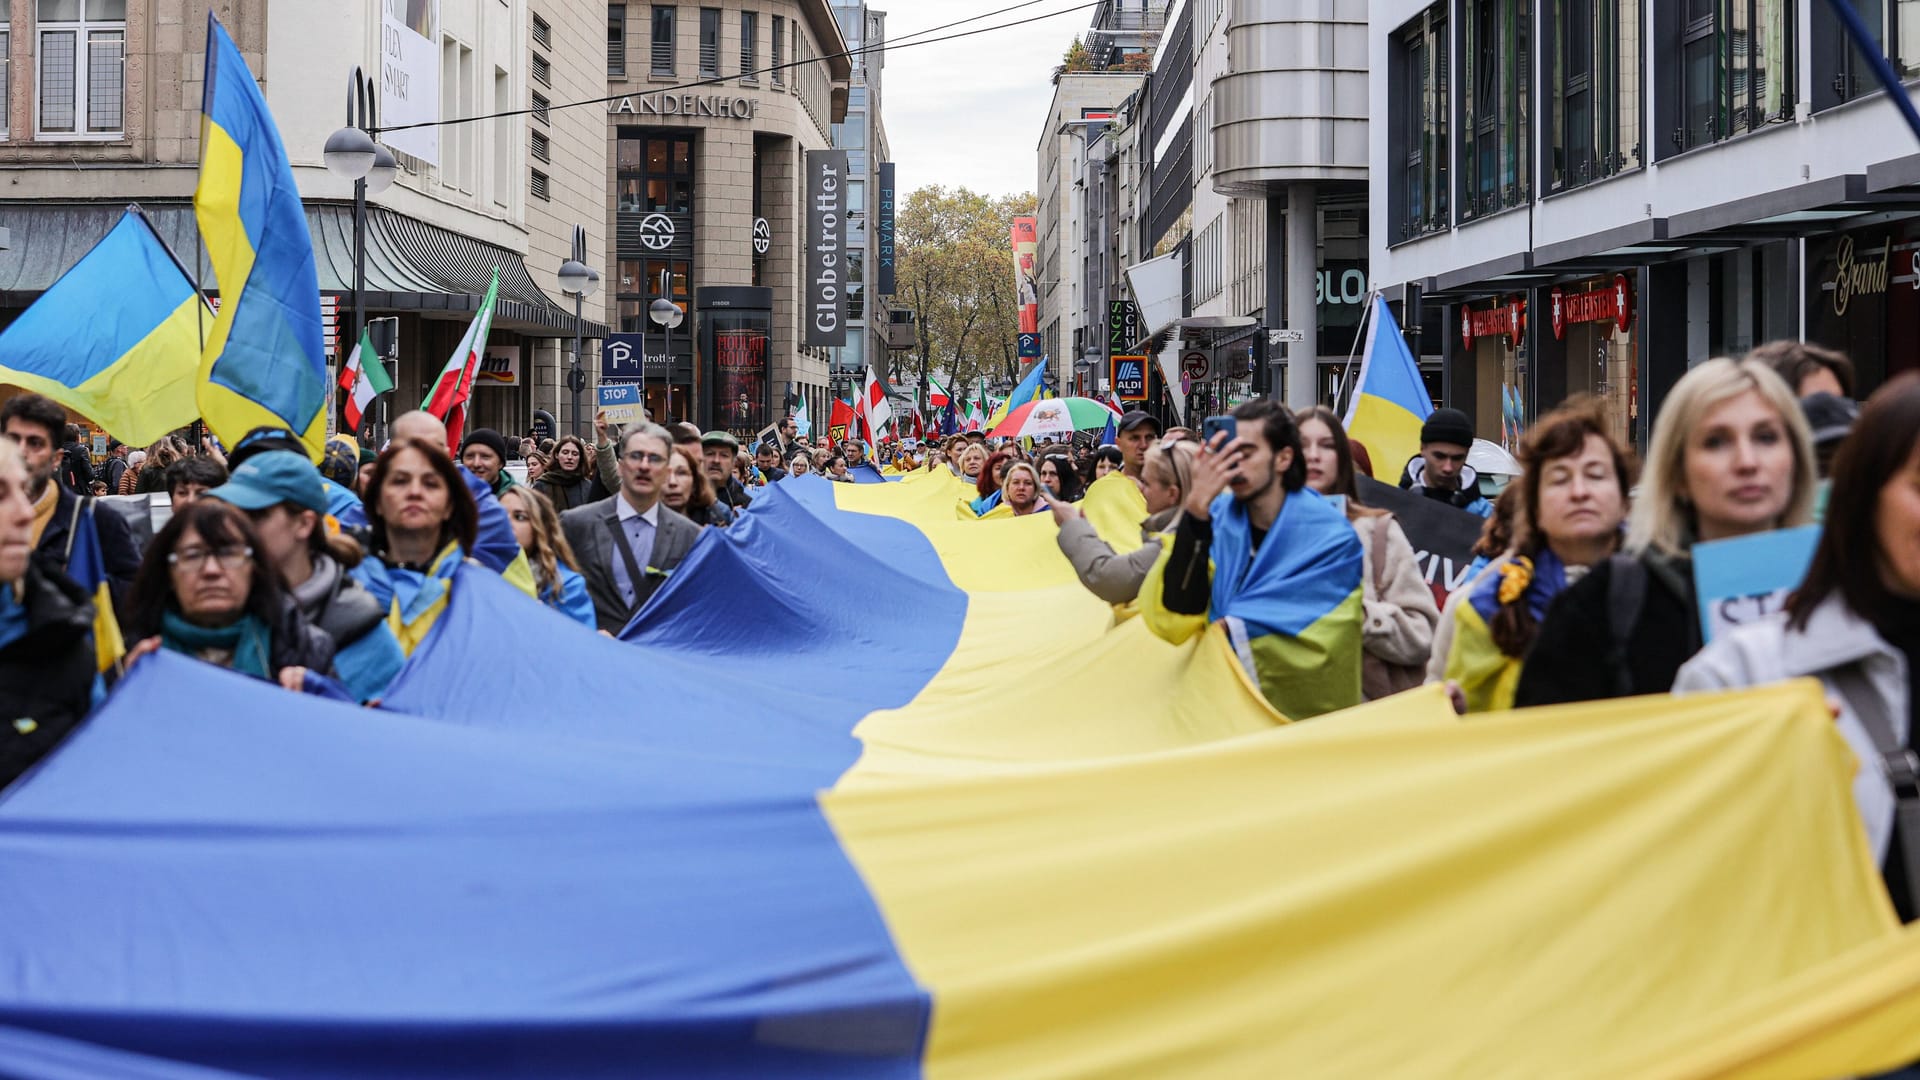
x,y
499,366
410,76
826,269
740,376
1026,279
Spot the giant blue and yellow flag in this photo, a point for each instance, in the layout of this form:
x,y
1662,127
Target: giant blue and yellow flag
x,y
1389,400
265,362
116,338
918,838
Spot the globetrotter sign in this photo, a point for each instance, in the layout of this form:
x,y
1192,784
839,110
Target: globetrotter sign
x,y
1508,319
826,280
1612,303
717,105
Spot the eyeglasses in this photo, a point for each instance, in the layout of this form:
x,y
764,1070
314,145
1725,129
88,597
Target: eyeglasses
x,y
642,457
196,558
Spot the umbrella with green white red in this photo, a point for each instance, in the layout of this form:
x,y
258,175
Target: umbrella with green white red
x,y
1054,416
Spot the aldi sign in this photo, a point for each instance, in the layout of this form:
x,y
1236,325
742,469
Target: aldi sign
x,y
1129,377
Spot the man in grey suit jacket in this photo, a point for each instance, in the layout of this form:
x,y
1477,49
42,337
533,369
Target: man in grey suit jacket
x,y
627,545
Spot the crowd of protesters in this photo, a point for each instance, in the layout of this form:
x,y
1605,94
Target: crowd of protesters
x,y
324,579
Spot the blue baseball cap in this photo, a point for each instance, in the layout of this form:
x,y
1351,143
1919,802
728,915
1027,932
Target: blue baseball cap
x,y
273,477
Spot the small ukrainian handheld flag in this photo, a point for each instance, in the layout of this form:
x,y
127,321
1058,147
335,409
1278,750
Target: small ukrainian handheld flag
x,y
1389,400
116,338
265,362
88,569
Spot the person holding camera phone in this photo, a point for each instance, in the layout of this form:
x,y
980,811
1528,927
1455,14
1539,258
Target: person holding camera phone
x,y
1272,560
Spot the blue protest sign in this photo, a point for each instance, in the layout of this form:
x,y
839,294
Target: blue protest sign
x,y
1749,577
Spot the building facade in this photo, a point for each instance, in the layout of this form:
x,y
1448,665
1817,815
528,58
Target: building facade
x,y
715,107
1084,103
103,105
1597,194
863,135
1229,201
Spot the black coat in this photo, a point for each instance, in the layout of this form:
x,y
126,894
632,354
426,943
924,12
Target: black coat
x,y
1574,657
566,492
46,675
117,549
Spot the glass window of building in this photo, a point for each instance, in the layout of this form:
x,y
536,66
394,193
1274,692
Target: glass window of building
x,y
81,51
710,41
1496,153
1734,65
1418,188
1593,321
750,46
616,41
779,72
1594,78
1840,71
856,196
664,18
1493,334
856,286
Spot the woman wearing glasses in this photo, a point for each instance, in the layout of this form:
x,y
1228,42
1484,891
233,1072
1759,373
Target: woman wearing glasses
x,y
207,590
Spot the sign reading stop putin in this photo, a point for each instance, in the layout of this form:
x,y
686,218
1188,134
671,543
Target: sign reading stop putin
x,y
1612,302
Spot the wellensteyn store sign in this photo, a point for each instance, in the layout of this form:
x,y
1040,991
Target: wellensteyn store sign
x,y
716,105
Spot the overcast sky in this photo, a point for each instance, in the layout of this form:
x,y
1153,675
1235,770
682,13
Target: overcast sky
x,y
968,112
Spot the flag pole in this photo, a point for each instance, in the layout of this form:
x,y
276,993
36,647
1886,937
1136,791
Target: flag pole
x,y
199,309
1346,373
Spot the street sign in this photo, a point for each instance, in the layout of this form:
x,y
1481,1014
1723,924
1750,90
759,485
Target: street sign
x,y
620,403
1195,365
1029,346
1286,337
1129,375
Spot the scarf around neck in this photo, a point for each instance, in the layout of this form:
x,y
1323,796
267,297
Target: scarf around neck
x,y
243,646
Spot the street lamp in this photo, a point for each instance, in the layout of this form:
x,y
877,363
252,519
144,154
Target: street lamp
x,y
666,314
579,281
352,154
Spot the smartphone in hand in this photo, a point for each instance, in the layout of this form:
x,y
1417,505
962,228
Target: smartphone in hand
x,y
1214,424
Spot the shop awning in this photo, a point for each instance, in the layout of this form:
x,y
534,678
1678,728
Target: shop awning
x,y
412,266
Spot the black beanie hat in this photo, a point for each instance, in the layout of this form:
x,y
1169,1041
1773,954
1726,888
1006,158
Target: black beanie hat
x,y
1447,426
488,438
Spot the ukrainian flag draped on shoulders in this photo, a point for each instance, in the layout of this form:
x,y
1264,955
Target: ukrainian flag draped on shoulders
x,y
1291,608
1487,676
264,362
414,599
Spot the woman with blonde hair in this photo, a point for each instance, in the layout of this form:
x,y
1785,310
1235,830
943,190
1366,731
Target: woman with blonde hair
x,y
1165,476
556,573
1731,456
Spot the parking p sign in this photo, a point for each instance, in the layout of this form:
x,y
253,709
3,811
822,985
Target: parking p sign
x,y
620,403
1129,377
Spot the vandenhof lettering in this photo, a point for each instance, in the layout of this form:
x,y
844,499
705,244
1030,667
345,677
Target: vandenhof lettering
x,y
717,105
1865,278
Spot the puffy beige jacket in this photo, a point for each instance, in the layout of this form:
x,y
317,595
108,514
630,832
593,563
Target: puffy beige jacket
x,y
1400,613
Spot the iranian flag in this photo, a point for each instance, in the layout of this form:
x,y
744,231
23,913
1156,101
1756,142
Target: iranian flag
x,y
937,397
364,377
448,398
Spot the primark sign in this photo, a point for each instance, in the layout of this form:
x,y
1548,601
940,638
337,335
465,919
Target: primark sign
x,y
715,105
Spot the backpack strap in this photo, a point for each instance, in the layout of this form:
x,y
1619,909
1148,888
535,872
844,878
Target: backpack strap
x,y
1626,595
1899,765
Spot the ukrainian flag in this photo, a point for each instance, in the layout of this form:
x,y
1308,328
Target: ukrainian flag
x,y
116,338
264,363
1389,402
1028,390
939,818
87,568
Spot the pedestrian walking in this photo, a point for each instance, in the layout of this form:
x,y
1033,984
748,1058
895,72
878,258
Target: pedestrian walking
x,y
422,522
556,572
206,589
1111,576
47,657
1854,624
1276,562
1568,508
630,544
283,497
687,491
1440,471
1730,456
565,482
34,424
1398,607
